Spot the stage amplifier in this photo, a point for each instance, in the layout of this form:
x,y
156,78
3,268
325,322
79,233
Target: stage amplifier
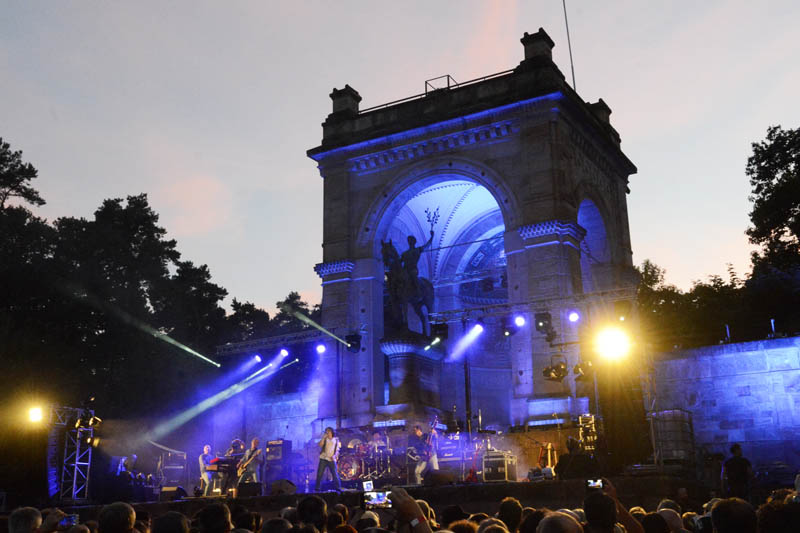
x,y
278,450
499,467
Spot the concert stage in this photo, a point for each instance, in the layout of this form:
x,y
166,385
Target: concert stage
x,y
473,497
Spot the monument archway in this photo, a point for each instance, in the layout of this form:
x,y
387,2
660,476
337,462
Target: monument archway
x,y
530,184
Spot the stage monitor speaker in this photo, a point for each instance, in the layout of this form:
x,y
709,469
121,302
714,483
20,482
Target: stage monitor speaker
x,y
282,486
249,490
437,478
170,494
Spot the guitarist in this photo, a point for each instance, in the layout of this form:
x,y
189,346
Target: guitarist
x,y
422,450
251,462
329,448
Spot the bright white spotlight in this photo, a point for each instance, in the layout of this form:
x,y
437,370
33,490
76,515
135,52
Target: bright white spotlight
x,y
35,414
320,348
284,352
574,316
257,358
612,343
464,342
519,321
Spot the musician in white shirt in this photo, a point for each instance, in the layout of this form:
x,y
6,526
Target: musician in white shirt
x,y
330,446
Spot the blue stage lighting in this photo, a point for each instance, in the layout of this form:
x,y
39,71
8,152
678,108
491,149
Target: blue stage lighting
x,y
574,316
257,358
320,348
284,352
519,321
464,342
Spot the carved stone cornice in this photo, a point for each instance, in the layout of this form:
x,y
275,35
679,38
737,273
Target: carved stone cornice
x,y
333,267
395,155
559,228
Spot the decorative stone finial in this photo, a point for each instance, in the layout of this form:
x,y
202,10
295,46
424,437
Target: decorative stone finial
x,y
538,44
346,99
601,111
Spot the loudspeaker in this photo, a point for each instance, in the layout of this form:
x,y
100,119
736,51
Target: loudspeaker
x,y
436,478
249,490
170,494
282,486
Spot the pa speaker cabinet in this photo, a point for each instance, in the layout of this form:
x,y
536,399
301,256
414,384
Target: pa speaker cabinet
x,y
283,486
170,494
500,468
437,478
249,490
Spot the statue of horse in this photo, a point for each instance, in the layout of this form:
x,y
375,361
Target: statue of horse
x,y
404,292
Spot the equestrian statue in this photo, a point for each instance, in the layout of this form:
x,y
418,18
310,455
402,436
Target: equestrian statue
x,y
404,284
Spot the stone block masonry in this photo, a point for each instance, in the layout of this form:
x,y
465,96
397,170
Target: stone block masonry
x,y
746,392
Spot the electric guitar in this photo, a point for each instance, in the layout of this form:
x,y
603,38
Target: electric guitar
x,y
243,465
430,448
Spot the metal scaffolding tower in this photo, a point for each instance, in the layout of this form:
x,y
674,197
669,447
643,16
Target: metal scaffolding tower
x,y
74,481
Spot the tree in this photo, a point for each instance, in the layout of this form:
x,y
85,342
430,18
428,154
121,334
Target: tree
x,y
774,172
285,322
15,177
247,322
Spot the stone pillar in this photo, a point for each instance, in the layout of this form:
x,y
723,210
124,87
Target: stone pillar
x,y
352,292
543,266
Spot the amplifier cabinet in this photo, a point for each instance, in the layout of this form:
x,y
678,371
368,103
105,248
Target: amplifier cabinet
x,y
278,450
499,468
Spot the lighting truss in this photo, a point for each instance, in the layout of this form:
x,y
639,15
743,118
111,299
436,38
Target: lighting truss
x,y
75,467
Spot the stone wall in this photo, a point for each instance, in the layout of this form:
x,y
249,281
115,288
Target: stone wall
x,y
747,393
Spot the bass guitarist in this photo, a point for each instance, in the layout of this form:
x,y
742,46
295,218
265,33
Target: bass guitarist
x,y
251,462
422,452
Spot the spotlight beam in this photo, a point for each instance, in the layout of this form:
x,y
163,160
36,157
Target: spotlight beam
x,y
180,419
464,342
303,318
130,320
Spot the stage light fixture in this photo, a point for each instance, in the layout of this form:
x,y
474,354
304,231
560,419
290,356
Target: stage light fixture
x,y
479,326
556,372
519,321
321,349
544,324
440,330
573,316
583,370
353,342
257,358
35,414
612,343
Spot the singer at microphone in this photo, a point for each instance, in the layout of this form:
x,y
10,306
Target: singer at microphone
x,y
329,454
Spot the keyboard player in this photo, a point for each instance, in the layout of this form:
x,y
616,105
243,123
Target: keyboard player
x,y
205,475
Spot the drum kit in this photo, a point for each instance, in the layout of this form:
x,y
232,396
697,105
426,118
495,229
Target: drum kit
x,y
364,461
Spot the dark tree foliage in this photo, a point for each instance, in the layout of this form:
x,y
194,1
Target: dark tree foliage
x,y
86,305
247,322
285,322
15,177
774,172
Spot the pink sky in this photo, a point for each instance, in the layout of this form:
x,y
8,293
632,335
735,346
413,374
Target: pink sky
x,y
209,108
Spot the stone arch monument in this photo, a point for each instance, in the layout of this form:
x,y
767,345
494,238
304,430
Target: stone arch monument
x,y
524,184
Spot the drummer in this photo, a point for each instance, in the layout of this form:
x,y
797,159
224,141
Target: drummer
x,y
377,442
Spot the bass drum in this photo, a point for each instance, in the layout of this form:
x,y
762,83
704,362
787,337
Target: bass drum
x,y
350,467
